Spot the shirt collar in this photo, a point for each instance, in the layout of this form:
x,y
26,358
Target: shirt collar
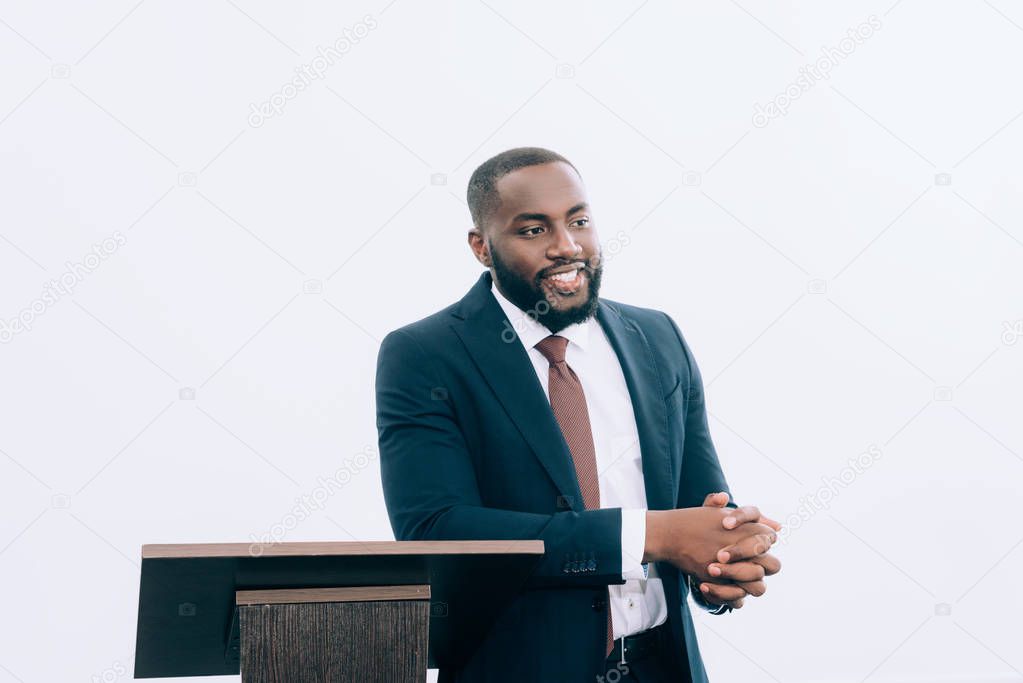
x,y
530,332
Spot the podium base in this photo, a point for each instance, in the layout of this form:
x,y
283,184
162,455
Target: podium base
x,y
320,635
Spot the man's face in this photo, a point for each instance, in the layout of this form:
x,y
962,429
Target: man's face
x,y
543,245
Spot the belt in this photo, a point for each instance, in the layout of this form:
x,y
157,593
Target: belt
x,y
640,645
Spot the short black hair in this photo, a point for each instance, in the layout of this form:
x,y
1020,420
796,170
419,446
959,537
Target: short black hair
x,y
482,195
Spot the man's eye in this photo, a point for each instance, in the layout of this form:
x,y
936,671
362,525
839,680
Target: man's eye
x,y
581,222
529,230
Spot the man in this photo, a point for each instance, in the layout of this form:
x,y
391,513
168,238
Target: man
x,y
532,409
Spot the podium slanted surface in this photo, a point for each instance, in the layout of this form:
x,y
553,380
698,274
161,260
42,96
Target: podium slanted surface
x,y
322,611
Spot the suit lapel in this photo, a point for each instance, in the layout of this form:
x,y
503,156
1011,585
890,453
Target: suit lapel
x,y
646,392
496,350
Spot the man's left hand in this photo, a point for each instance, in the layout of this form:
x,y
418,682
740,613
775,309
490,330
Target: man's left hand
x,y
741,577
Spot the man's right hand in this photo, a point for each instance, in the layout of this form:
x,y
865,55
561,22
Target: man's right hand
x,y
693,539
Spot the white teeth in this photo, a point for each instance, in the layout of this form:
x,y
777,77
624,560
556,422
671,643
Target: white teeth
x,y
565,277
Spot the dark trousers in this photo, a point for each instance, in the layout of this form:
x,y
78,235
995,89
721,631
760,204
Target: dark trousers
x,y
657,666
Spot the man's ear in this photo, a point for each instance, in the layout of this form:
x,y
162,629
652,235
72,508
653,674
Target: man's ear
x,y
479,246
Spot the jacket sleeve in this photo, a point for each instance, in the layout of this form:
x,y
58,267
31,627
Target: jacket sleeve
x,y
430,487
701,472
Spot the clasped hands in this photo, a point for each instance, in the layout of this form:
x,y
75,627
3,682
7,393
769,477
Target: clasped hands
x,y
725,549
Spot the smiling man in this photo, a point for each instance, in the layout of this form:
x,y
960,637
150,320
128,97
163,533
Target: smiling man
x,y
533,409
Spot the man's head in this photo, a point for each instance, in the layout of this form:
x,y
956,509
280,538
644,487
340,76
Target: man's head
x,y
533,228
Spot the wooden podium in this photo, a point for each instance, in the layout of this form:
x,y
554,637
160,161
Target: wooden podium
x,y
322,612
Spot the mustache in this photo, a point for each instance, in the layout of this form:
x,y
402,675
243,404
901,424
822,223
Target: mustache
x,y
587,267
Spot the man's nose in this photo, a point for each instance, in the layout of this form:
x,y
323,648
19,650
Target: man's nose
x,y
563,246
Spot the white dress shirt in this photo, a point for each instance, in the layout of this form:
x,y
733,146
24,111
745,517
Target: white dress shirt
x,y
639,603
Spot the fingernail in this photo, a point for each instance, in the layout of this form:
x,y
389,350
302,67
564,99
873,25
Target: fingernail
x,y
715,570
723,556
729,522
705,588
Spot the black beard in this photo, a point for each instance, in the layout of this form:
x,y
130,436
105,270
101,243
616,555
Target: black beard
x,y
530,296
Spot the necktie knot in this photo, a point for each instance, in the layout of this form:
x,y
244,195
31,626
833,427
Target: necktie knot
x,y
553,348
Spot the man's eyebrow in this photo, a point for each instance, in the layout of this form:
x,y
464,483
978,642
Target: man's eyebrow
x,y
530,217
544,217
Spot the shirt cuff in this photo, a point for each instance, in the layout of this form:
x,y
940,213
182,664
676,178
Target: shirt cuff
x,y
633,544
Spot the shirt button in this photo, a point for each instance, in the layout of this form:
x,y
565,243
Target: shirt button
x,y
631,603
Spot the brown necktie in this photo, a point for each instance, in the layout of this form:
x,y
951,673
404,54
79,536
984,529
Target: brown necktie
x,y
569,405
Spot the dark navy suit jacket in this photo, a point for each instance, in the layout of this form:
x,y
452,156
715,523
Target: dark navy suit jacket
x,y
470,449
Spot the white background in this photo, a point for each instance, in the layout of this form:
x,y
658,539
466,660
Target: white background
x,y
838,290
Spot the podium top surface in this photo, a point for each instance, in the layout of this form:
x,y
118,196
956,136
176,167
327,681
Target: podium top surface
x,y
187,620
338,548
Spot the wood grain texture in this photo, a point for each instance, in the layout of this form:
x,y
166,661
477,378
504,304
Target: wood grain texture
x,y
343,594
335,642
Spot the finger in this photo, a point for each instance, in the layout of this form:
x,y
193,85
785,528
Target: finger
x,y
737,571
719,592
735,604
749,547
715,500
754,588
747,513
771,523
770,563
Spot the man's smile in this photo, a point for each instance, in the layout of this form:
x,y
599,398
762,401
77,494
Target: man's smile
x,y
566,282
